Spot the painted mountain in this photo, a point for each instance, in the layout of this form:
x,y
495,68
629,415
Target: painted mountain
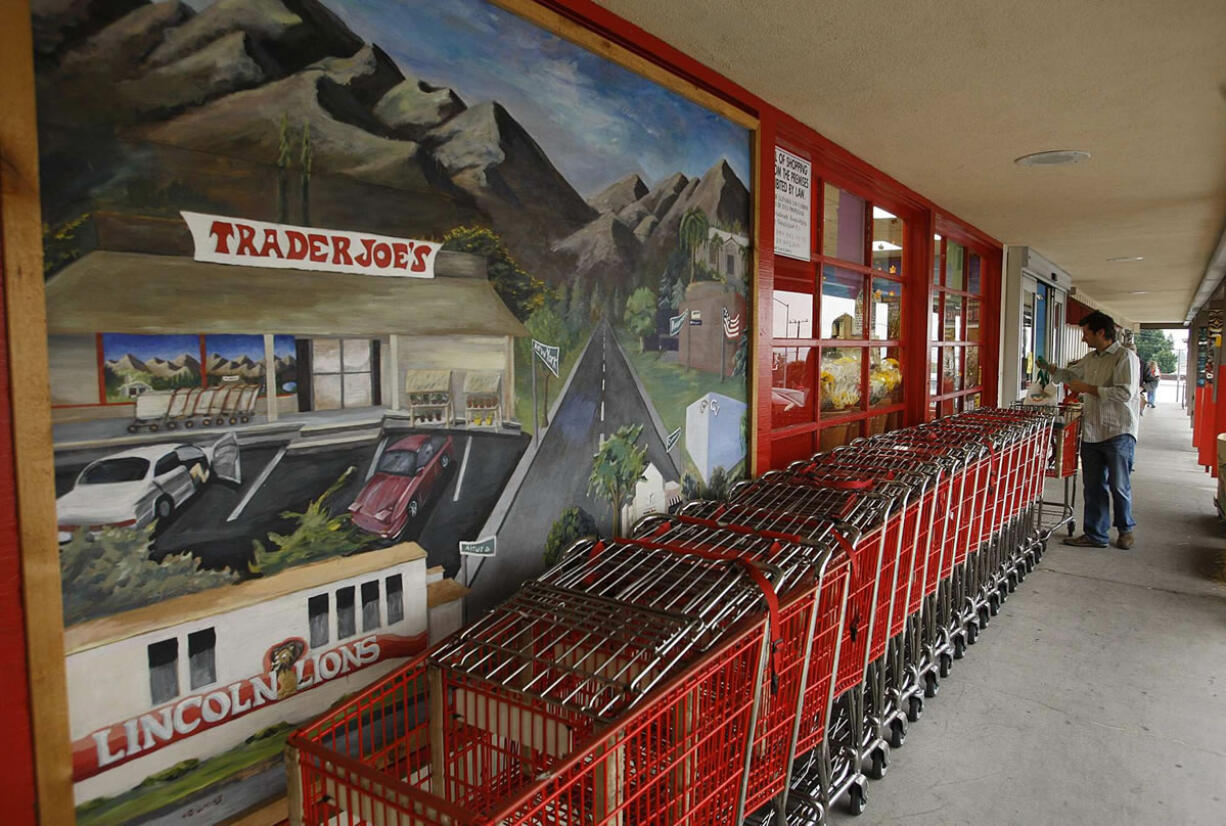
x,y
149,108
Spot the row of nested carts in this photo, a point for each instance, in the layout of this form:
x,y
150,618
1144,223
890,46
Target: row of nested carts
x,y
748,661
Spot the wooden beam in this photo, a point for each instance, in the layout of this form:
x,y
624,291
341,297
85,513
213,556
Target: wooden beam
x,y
21,233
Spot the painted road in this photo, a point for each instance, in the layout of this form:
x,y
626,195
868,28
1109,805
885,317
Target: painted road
x,y
602,397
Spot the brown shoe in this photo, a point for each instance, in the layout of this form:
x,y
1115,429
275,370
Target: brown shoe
x,y
1124,540
1083,541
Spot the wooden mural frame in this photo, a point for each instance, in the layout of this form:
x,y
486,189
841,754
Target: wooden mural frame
x,y
22,269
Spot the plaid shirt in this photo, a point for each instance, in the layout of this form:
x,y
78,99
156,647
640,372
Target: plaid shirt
x,y
1116,372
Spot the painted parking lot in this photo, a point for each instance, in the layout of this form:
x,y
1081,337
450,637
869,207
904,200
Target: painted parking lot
x,y
221,522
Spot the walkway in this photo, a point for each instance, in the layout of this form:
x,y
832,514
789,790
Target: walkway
x,y
1098,695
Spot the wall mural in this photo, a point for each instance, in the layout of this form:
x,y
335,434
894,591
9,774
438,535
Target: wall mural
x,y
448,278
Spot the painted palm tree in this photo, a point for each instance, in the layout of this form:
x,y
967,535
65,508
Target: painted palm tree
x,y
693,235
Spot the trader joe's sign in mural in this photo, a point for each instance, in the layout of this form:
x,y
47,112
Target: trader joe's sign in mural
x,y
235,407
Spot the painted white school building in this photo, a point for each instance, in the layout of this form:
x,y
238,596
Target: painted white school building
x,y
194,676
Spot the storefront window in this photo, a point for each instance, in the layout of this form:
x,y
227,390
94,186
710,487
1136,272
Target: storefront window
x,y
843,225
951,374
953,265
792,382
973,375
792,314
841,379
884,377
887,242
837,435
887,310
953,318
842,304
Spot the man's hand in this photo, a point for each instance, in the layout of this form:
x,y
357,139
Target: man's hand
x,y
1079,386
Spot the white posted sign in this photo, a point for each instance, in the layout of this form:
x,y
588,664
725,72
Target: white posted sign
x,y
481,547
793,215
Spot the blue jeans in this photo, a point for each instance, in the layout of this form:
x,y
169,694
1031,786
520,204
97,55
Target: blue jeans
x,y
1106,466
1151,394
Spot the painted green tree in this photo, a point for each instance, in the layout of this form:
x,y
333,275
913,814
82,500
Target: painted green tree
x,y
575,523
617,467
522,292
693,235
640,315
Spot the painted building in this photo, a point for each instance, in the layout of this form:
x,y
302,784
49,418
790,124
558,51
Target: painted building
x,y
193,677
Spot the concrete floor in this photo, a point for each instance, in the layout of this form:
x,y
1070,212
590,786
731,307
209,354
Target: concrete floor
x,y
1098,694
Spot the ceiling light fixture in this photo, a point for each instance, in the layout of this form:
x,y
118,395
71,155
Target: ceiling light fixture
x,y
1125,259
1053,157
1139,292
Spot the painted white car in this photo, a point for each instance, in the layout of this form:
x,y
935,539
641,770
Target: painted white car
x,y
134,487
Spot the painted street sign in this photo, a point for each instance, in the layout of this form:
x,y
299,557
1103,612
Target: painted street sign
x,y
548,355
695,318
672,440
481,547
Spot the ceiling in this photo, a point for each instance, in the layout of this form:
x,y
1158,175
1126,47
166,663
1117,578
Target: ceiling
x,y
944,94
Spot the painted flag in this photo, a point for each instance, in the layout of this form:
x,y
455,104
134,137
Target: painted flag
x,y
732,324
675,323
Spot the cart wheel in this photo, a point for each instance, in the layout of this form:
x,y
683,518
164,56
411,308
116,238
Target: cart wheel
x,y
959,647
898,733
994,601
972,633
1070,528
189,424
931,685
945,664
172,425
856,799
244,419
233,420
915,708
153,428
206,421
1011,582
133,428
880,763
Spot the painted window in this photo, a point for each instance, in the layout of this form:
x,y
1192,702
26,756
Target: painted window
x,y
346,614
370,605
163,671
341,373
317,614
201,657
395,599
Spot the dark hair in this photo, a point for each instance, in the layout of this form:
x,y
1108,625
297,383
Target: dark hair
x,y
1099,322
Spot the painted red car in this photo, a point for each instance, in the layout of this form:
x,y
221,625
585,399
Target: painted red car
x,y
407,475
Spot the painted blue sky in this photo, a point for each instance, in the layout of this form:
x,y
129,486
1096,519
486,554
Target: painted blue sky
x,y
597,121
